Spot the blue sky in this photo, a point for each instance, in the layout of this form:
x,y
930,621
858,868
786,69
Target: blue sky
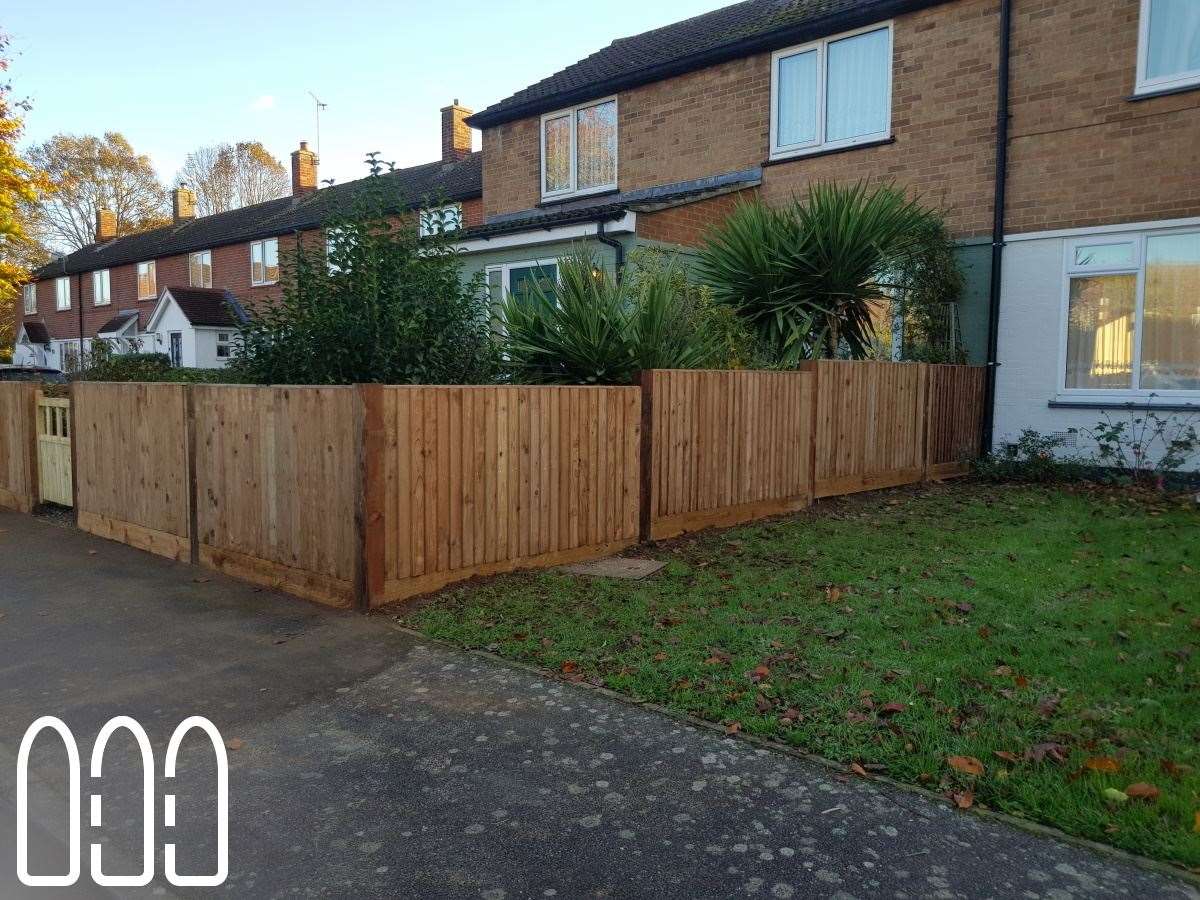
x,y
173,76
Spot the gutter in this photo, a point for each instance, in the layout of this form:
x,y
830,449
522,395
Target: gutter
x,y
618,249
998,204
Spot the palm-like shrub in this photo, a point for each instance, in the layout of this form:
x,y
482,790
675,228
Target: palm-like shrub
x,y
595,330
810,275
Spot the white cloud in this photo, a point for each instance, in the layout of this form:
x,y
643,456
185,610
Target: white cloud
x,y
266,101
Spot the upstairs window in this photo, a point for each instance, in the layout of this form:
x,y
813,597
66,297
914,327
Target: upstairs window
x,y
29,293
579,150
1168,45
264,262
101,288
62,293
200,269
441,220
147,283
832,93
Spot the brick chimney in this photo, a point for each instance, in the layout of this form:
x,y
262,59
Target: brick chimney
x,y
304,171
183,204
456,133
106,225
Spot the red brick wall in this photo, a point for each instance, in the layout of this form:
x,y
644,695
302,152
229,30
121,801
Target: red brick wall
x,y
688,225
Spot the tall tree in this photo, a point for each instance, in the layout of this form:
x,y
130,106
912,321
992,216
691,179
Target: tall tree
x,y
230,176
91,173
20,186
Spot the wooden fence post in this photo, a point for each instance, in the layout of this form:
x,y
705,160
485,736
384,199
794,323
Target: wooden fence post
x,y
813,368
926,413
33,475
189,418
72,418
646,494
369,500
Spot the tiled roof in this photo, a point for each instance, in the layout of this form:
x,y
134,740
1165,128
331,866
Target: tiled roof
x,y
37,332
408,189
207,307
609,207
117,322
739,30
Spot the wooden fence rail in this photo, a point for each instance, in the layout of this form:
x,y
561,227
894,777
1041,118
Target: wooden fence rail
x,y
362,496
18,446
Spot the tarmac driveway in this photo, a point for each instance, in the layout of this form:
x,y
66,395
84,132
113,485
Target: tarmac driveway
x,y
369,764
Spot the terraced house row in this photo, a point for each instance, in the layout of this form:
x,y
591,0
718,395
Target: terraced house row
x,y
1062,137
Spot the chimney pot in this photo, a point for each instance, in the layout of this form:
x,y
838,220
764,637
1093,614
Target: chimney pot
x,y
183,204
456,133
106,225
304,170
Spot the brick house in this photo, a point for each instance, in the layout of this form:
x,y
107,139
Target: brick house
x,y
1080,242
178,289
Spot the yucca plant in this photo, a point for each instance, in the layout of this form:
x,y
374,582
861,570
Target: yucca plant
x,y
808,276
594,330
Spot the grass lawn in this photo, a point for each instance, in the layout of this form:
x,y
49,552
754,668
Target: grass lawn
x,y
1051,639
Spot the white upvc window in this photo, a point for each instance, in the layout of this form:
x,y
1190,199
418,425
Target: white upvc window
x,y
1168,45
29,294
101,288
264,262
224,344
579,150
147,284
62,293
200,269
521,280
1131,323
832,93
440,219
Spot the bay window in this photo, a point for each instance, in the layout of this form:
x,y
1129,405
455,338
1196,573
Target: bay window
x,y
832,93
1168,45
1133,314
101,288
264,261
579,150
147,286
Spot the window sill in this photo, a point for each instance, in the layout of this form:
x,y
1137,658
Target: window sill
x,y
1133,404
801,155
1152,93
581,195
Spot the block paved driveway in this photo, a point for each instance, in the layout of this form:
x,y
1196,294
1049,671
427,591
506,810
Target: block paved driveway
x,y
374,765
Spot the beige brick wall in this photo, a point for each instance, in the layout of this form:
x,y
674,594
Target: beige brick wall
x,y
688,225
1081,153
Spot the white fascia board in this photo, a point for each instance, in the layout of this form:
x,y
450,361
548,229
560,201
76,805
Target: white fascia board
x,y
627,224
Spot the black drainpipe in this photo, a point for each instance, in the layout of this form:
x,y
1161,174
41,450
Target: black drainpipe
x,y
79,303
1002,117
618,248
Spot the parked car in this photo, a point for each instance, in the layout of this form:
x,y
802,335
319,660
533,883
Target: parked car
x,y
43,374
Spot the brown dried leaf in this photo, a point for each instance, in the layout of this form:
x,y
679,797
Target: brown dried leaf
x,y
964,799
1039,752
1142,791
859,770
968,764
1007,756
1102,764
733,728
892,709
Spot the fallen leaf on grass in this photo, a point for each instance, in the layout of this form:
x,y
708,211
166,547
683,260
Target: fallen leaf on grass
x,y
1102,764
661,657
1007,756
1039,752
1048,705
569,667
790,716
964,799
760,673
1174,769
859,770
1197,827
968,764
892,709
1142,791
1115,796
856,718
733,727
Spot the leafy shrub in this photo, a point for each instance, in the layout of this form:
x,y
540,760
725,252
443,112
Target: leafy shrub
x,y
383,305
595,330
1148,447
1033,458
104,364
810,277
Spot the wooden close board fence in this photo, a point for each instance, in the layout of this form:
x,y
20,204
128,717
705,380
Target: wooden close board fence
x,y
726,447
465,481
18,436
131,465
362,496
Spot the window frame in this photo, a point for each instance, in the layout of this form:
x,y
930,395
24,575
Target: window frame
x,y
265,281
29,298
1144,84
59,282
505,269
224,341
1135,393
151,274
573,113
102,277
192,256
424,224
821,46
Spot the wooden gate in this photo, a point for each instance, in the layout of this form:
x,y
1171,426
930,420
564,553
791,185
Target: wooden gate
x,y
54,449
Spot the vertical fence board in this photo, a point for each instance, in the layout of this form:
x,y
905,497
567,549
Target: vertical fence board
x,y
954,423
18,461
